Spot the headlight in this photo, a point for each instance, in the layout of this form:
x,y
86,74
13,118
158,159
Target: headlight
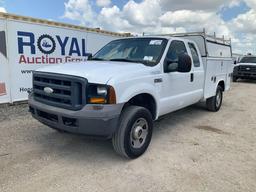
x,y
102,90
101,94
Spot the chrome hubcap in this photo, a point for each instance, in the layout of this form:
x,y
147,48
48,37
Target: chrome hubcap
x,y
218,99
139,133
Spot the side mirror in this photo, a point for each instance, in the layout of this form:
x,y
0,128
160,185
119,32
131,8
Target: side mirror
x,y
170,66
89,56
184,63
235,62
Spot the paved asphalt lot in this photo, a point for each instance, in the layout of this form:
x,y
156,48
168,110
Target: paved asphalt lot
x,y
191,150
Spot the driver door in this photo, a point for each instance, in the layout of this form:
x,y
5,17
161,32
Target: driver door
x,y
176,89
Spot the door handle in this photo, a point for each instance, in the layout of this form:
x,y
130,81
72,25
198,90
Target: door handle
x,y
191,77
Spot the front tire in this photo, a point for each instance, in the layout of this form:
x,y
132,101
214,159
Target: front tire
x,y
214,103
134,134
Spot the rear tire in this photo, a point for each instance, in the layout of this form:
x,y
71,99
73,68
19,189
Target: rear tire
x,y
134,133
214,103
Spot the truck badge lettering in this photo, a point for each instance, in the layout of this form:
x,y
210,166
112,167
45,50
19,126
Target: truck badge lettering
x,y
48,90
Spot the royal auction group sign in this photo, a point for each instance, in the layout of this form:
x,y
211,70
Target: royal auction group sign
x,y
27,46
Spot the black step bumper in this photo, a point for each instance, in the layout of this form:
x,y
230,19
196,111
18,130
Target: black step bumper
x,y
91,120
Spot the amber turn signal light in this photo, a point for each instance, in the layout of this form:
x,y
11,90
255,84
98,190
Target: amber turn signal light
x,y
97,100
112,96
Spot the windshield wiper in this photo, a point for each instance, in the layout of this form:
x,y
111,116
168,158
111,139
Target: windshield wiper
x,y
96,59
125,60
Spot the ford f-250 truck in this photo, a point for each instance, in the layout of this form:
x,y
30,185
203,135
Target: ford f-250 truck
x,y
130,83
245,69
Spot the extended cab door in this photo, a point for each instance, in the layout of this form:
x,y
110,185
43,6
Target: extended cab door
x,y
178,89
198,71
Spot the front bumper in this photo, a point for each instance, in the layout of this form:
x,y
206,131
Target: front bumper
x,y
91,120
237,73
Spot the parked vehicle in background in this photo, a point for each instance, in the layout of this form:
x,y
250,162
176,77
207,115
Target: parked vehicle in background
x,y
130,83
245,69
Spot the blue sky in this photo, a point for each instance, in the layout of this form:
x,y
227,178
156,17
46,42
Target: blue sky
x,y
54,9
233,18
230,13
47,9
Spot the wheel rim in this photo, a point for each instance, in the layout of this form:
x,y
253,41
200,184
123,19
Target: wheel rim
x,y
218,98
139,133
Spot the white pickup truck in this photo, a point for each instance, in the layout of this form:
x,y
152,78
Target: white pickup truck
x,y
130,83
245,68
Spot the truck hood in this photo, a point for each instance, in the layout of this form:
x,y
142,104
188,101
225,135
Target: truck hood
x,y
95,71
253,64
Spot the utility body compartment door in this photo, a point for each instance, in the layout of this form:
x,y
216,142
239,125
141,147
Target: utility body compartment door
x,y
218,67
216,70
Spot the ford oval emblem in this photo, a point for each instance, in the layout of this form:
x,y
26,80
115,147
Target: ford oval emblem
x,y
48,90
248,69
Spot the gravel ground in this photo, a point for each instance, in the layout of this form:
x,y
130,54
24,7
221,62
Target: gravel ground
x,y
191,150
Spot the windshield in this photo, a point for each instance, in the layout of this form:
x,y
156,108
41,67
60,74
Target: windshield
x,y
248,60
139,50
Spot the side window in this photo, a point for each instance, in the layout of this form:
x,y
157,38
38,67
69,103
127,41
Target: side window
x,y
175,50
195,55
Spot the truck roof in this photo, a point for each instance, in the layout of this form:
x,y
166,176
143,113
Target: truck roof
x,y
248,56
213,38
156,36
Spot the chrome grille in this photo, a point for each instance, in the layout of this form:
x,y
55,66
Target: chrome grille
x,y
247,68
66,91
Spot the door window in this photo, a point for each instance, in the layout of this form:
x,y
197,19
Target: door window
x,y
176,49
194,53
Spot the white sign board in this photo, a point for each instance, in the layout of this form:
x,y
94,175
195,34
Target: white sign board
x,y
4,68
30,46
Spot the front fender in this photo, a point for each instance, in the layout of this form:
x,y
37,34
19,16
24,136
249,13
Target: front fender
x,y
124,95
